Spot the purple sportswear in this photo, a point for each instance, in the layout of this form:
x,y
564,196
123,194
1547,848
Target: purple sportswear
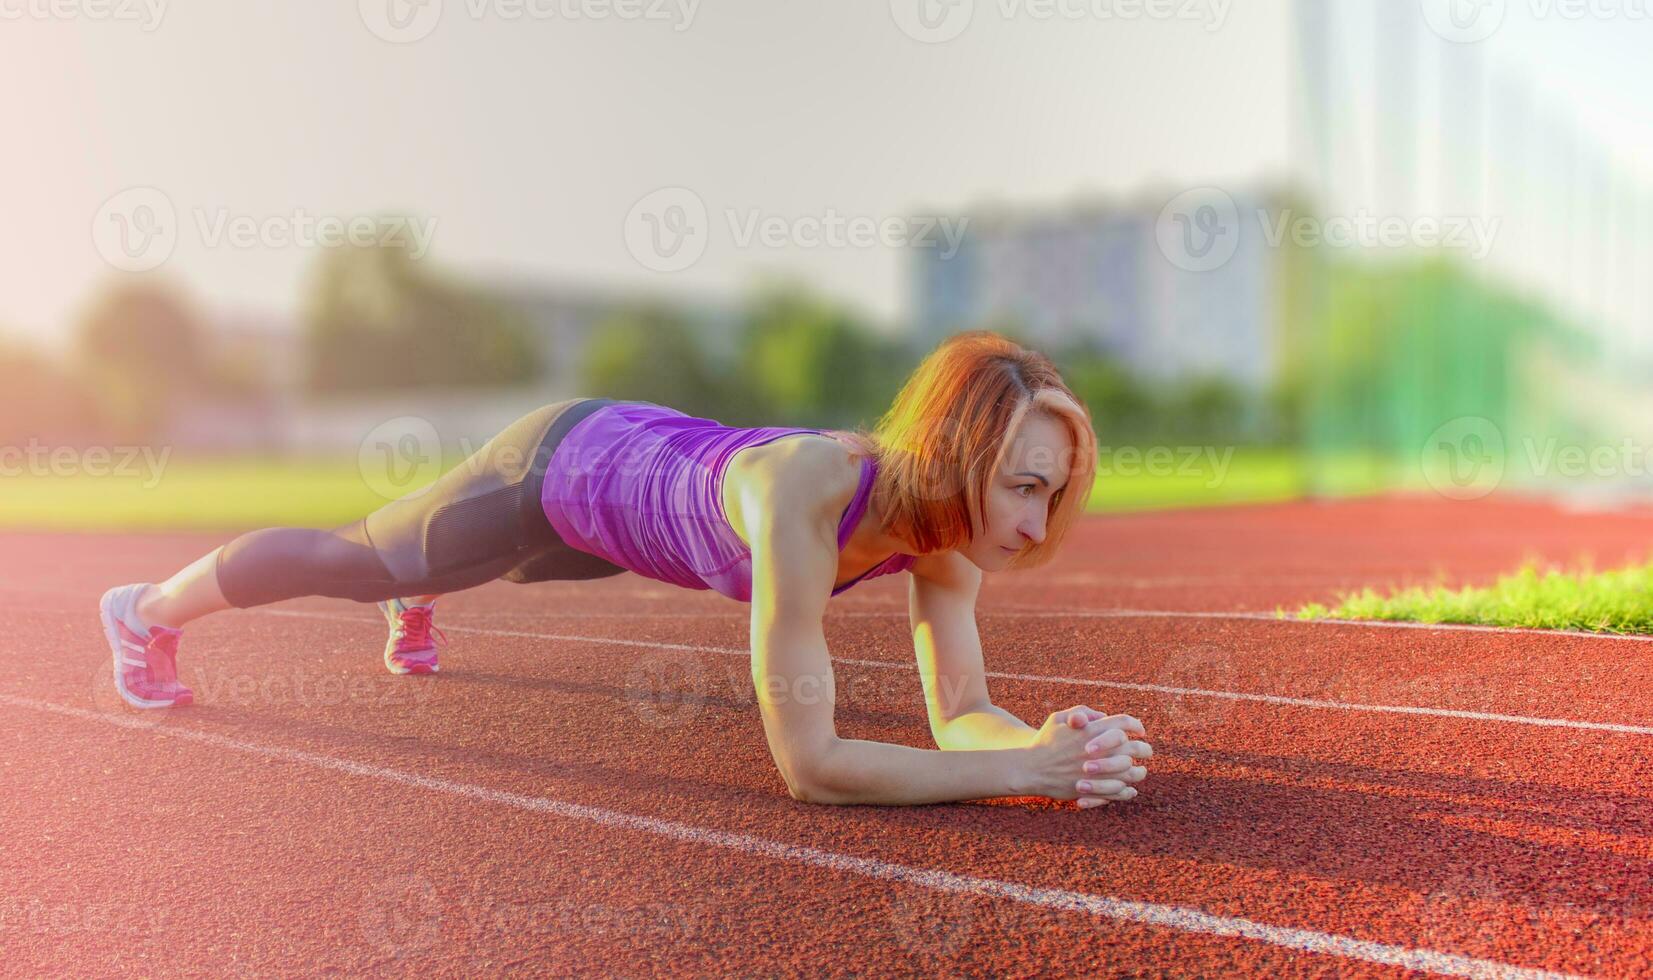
x,y
641,485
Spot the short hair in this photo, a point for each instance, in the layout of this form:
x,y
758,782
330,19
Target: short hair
x,y
946,434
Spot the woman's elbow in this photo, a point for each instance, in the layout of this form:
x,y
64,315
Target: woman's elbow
x,y
815,782
818,794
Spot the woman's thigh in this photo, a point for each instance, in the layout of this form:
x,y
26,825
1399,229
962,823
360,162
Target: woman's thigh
x,y
484,513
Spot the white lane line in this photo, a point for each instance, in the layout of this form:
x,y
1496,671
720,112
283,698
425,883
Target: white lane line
x,y
1275,699
1180,918
1271,617
1267,617
1037,613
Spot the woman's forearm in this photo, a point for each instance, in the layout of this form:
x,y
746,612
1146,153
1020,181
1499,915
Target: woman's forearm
x,y
858,771
991,727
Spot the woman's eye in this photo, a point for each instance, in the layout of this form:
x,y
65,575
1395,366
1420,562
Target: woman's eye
x,y
1026,486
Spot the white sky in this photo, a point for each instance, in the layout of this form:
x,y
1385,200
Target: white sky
x,y
528,141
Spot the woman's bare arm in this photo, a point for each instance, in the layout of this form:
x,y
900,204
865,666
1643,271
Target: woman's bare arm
x,y
942,607
941,602
790,519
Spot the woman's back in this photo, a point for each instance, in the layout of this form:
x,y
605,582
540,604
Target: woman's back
x,y
640,484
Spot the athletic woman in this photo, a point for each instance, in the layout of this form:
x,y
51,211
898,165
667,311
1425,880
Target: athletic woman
x,y
982,463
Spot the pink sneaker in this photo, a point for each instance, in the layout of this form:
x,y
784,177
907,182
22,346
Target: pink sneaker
x,y
410,649
146,666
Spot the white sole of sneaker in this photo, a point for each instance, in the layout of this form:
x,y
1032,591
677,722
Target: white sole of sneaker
x,y
112,633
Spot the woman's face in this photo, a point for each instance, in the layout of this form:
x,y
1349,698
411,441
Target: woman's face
x,y
1017,504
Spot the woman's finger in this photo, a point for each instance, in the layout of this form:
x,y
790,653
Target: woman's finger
x,y
1086,802
1111,739
1127,722
1137,750
1135,774
1116,723
1107,767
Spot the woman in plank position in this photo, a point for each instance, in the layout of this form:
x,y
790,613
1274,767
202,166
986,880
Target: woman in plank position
x,y
982,463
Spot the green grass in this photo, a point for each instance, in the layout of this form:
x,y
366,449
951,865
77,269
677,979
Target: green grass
x,y
1191,479
195,494
1617,601
218,494
1212,477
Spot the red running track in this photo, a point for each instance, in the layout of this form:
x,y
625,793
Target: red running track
x,y
586,788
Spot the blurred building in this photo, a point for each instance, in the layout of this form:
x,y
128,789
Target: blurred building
x,y
1096,272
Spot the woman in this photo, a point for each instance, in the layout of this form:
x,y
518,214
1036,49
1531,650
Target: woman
x,y
982,463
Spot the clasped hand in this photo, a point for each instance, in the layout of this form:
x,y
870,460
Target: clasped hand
x,y
1082,754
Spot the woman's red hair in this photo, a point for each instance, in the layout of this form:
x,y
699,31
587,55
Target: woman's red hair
x,y
945,437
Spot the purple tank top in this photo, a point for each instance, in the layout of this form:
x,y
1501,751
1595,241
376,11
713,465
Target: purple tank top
x,y
641,485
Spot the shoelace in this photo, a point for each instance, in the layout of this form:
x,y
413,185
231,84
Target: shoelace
x,y
417,629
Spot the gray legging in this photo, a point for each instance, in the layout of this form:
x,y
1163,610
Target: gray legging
x,y
478,522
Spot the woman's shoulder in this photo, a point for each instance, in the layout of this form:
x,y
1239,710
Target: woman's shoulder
x,y
802,466
810,473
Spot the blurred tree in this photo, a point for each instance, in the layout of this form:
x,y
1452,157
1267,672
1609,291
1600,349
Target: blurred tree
x,y
1209,409
140,349
1123,410
652,354
42,401
377,319
807,362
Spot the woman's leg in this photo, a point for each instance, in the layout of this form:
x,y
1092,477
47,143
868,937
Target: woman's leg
x,y
190,594
479,521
